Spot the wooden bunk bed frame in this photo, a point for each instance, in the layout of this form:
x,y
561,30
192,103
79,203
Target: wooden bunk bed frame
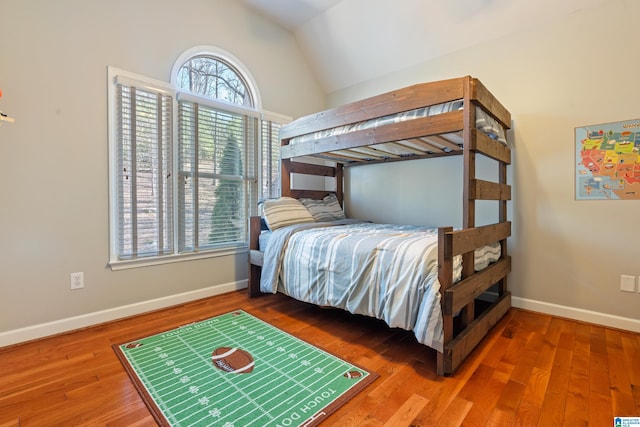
x,y
464,326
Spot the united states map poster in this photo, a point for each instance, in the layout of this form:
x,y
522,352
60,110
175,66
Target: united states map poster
x,y
608,161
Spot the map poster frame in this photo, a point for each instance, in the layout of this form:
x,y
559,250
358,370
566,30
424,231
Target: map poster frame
x,y
607,159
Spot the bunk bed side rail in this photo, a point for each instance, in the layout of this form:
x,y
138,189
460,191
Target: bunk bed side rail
x,y
466,240
417,128
409,98
467,290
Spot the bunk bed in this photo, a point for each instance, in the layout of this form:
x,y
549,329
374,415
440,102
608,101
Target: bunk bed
x,y
444,118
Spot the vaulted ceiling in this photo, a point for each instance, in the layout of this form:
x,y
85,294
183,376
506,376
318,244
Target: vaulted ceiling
x,y
351,41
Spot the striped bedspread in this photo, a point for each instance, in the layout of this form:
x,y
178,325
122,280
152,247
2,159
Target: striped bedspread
x,y
385,271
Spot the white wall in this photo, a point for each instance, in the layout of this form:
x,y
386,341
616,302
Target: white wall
x,y
570,73
53,159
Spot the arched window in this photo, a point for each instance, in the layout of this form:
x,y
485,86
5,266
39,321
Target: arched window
x,y
214,73
214,78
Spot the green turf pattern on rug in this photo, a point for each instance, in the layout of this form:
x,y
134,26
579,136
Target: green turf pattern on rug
x,y
290,382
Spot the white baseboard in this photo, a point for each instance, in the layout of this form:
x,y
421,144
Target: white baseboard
x,y
597,318
69,324
77,322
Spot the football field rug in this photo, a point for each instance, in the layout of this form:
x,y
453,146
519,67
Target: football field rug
x,y
237,370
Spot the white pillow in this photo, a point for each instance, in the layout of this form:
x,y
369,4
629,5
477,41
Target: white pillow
x,y
327,209
285,211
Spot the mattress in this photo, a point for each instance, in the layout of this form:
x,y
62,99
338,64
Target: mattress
x,y
484,122
385,271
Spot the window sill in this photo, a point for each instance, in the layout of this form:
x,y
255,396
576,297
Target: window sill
x,y
169,259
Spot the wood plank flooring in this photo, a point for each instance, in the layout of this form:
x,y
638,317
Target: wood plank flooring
x,y
531,370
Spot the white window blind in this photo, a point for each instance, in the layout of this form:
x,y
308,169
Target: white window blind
x,y
270,159
186,171
144,167
217,175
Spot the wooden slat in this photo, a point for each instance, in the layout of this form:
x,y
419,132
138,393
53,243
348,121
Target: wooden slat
x,y
469,239
467,290
416,128
397,149
426,145
462,345
374,152
360,162
358,155
486,190
441,141
481,143
405,99
341,157
312,169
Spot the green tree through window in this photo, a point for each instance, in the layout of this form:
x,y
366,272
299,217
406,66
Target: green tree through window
x,y
227,209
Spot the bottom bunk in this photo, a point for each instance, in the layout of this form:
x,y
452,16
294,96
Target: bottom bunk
x,y
410,277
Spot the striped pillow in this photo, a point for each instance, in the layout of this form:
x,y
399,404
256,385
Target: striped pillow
x,y
327,209
285,211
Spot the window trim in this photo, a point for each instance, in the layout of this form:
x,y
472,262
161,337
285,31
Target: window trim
x,y
118,76
219,105
118,265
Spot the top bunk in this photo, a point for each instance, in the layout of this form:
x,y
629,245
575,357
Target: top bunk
x,y
425,120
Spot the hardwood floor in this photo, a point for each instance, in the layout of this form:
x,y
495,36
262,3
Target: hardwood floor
x,y
531,370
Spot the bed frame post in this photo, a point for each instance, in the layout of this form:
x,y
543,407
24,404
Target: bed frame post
x,y
502,213
285,177
445,277
255,258
339,176
468,203
469,156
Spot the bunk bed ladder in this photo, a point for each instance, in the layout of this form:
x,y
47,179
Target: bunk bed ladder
x,y
459,298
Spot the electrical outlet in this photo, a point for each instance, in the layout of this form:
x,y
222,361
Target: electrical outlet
x,y
627,283
77,280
